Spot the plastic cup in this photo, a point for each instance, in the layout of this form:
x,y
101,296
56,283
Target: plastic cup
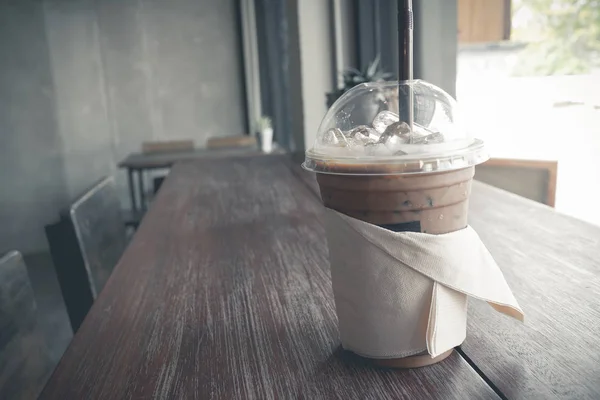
x,y
374,168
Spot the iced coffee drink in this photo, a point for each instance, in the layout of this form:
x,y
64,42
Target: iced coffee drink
x,y
399,175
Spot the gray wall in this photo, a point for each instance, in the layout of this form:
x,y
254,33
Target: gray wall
x,y
31,157
83,83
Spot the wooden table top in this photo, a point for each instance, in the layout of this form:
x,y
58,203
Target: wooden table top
x,y
225,292
552,263
167,158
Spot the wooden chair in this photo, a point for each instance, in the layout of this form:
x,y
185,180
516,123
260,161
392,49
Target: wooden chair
x,y
533,179
86,245
25,362
230,141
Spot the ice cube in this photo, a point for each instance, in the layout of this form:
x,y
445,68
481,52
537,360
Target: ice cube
x,y
432,138
377,149
396,133
383,120
399,128
420,130
363,135
333,137
394,143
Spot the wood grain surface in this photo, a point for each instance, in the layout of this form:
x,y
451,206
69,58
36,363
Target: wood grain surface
x,y
552,263
225,293
483,21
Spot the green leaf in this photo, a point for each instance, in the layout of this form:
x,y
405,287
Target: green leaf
x,y
371,73
373,67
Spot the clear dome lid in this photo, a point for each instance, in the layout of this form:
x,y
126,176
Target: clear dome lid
x,y
367,131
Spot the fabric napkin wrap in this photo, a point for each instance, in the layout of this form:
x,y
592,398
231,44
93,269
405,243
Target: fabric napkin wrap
x,y
403,293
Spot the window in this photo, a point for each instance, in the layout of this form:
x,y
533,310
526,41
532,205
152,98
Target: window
x,y
534,92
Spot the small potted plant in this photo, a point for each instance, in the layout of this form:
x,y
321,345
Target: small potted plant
x,y
265,131
352,77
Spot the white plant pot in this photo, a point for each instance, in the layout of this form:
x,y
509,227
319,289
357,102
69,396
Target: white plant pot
x,y
266,140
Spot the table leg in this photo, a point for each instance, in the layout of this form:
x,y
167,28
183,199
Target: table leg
x,y
131,190
142,190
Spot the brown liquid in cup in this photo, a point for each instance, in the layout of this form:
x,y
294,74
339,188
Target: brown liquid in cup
x,y
434,203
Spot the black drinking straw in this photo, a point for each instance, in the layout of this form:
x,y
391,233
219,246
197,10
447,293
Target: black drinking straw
x,y
405,56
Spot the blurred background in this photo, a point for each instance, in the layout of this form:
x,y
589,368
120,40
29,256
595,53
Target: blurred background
x,y
533,91
119,88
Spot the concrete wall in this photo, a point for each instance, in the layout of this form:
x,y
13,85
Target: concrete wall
x,y
32,183
83,83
